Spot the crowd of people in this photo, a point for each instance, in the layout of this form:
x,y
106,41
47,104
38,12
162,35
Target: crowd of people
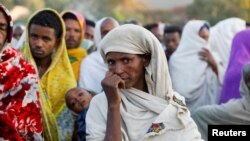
x,y
64,77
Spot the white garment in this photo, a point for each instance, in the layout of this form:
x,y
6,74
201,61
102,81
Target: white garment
x,y
20,44
97,30
92,72
236,111
221,37
192,77
93,68
140,110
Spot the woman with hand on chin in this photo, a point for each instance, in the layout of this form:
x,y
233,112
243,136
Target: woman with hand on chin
x,y
138,102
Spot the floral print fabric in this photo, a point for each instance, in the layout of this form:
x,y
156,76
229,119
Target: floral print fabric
x,y
20,115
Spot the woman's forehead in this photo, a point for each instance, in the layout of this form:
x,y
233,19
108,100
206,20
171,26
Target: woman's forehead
x,y
119,54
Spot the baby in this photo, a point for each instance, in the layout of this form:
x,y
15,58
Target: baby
x,y
78,99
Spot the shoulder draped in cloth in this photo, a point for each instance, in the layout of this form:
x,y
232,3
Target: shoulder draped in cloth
x,y
234,112
20,113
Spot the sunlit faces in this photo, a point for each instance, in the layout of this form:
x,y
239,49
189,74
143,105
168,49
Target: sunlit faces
x,y
73,33
204,33
42,41
130,67
106,26
3,29
78,99
172,40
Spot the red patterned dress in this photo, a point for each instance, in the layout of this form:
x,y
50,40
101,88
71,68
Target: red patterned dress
x,y
20,111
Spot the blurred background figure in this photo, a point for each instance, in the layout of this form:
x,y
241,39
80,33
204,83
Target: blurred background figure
x,y
93,68
193,66
132,21
17,33
221,38
75,30
239,56
156,30
234,112
171,39
88,42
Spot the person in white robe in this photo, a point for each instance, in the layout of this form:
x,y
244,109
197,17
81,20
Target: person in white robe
x,y
190,67
221,40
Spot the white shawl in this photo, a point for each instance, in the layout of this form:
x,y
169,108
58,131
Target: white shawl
x,y
93,68
97,30
192,77
221,40
140,110
236,111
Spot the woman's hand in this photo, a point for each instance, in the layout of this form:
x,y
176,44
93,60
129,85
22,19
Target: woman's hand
x,y
111,84
207,56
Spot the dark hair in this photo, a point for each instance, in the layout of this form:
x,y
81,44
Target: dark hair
x,y
90,22
131,21
151,26
204,26
48,18
172,28
247,24
69,15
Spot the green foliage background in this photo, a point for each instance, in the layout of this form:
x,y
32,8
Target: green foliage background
x,y
210,10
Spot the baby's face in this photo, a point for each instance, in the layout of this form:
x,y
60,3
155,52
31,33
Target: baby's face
x,y
78,99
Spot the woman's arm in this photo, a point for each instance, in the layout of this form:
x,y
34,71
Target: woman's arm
x,y
111,84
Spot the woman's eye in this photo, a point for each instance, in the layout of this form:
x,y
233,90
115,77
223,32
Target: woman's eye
x,y
110,62
126,61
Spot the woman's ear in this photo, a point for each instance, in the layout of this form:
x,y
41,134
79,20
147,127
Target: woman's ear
x,y
146,59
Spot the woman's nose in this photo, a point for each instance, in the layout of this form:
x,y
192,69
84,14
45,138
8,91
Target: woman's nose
x,y
118,68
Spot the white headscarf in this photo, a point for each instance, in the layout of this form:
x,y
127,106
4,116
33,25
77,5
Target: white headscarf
x,y
222,35
192,77
221,39
97,30
93,68
158,84
141,110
